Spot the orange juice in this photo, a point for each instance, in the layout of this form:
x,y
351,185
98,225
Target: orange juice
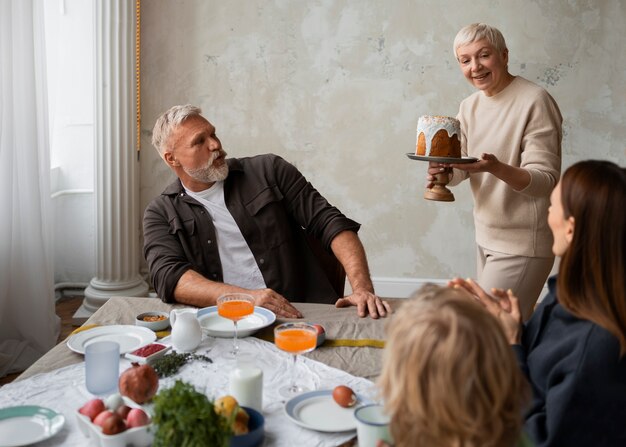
x,y
235,310
296,340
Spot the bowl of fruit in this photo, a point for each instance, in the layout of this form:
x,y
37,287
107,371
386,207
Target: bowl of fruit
x,y
247,424
115,421
119,419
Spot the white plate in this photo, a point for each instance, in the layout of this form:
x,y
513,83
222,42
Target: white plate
x,y
461,160
128,336
317,410
217,326
28,424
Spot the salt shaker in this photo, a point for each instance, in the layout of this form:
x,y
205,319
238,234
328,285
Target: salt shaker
x,y
246,385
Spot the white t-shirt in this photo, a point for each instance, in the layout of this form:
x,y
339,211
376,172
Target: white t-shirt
x,y
238,263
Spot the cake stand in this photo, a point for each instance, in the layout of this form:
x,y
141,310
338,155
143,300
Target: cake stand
x,y
439,192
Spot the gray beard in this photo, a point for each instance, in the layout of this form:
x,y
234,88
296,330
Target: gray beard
x,y
208,174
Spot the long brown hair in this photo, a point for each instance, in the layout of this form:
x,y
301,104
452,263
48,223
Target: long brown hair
x,y
592,274
450,378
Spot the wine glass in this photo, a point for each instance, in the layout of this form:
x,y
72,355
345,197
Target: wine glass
x,y
235,306
295,338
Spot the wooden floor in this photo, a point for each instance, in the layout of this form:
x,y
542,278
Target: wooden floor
x,y
65,309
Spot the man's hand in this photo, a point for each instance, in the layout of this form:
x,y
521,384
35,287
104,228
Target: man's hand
x,y
196,290
275,302
349,251
366,303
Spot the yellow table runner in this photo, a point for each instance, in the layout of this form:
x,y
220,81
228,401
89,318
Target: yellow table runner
x,y
369,342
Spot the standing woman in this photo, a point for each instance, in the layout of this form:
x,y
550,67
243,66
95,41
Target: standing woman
x,y
513,127
573,349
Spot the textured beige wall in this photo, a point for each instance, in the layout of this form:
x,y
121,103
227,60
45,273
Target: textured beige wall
x,y
336,87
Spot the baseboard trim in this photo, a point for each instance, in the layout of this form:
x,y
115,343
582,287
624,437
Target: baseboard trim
x,y
388,287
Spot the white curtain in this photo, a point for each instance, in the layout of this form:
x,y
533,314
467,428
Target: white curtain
x,y
28,324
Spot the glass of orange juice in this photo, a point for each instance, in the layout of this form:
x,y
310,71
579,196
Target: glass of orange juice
x,y
235,306
294,338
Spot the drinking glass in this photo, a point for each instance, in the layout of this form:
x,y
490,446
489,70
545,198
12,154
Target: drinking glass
x,y
294,338
235,306
102,367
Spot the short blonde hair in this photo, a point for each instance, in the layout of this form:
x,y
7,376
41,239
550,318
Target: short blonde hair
x,y
450,378
168,121
478,31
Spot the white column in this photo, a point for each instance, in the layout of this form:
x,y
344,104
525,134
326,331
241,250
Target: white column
x,y
117,164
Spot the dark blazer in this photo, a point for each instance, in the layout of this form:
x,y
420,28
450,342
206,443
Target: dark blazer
x,y
577,376
273,205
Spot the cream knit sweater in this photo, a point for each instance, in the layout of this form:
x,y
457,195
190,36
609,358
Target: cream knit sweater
x,y
521,126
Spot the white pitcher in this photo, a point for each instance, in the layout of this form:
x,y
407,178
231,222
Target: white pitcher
x,y
186,331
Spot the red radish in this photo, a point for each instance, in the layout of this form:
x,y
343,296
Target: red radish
x,y
99,420
123,411
113,425
92,408
136,418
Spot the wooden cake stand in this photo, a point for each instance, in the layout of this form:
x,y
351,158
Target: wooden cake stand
x,y
439,191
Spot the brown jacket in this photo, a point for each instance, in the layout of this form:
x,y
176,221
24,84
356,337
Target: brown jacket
x,y
273,205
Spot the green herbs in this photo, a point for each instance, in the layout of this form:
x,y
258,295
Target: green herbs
x,y
185,417
169,364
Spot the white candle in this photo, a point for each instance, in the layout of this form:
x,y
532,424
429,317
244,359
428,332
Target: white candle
x,y
246,385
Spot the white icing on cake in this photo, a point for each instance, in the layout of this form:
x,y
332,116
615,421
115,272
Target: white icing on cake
x,y
430,125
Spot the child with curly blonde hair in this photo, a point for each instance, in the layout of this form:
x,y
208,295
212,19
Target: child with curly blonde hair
x,y
450,378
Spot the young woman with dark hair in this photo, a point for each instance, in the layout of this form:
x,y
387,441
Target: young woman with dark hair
x,y
573,349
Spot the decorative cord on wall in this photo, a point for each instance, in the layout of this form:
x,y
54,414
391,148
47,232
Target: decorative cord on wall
x,y
138,70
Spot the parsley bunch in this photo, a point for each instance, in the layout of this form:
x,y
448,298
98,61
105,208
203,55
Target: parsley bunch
x,y
186,418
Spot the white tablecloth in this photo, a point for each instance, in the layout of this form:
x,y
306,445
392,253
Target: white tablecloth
x,y
63,390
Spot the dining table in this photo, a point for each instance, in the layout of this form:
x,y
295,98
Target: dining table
x,y
350,355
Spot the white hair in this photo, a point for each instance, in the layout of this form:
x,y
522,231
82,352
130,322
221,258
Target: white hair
x,y
478,31
168,121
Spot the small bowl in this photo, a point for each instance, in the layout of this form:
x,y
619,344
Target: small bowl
x,y
156,326
135,356
256,431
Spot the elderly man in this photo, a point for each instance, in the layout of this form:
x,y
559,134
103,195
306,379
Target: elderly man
x,y
238,225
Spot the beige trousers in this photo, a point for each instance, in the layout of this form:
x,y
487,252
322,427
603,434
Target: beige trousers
x,y
523,275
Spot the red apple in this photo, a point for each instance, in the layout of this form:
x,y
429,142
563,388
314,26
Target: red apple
x,y
99,420
136,418
92,408
113,425
123,411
